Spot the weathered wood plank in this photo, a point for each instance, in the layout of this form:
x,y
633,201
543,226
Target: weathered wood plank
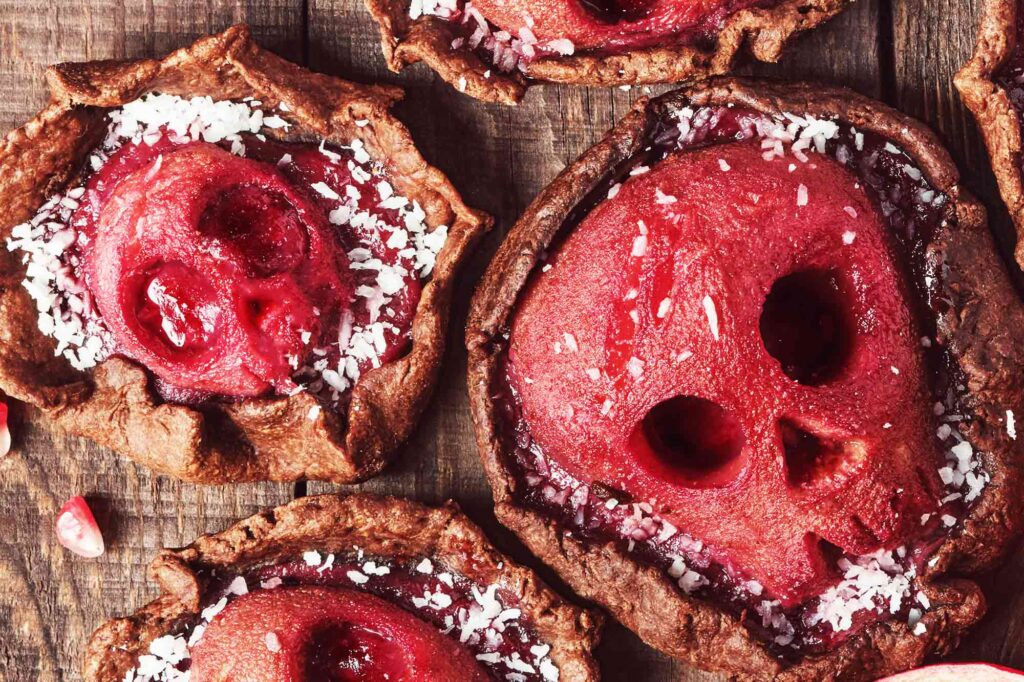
x,y
52,600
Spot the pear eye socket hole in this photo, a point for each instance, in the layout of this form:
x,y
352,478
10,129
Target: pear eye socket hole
x,y
262,224
340,651
807,326
691,442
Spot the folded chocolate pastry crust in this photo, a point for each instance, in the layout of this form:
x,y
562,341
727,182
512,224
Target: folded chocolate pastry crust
x,y
380,526
989,102
428,39
982,328
252,439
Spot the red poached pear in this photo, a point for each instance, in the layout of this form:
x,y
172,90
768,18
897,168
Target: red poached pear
x,y
594,24
77,529
289,634
729,338
211,270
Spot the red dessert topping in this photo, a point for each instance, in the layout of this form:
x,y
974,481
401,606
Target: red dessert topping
x,y
729,337
77,529
326,633
605,24
5,431
212,270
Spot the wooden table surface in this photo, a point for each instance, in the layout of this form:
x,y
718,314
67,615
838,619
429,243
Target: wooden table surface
x,y
904,52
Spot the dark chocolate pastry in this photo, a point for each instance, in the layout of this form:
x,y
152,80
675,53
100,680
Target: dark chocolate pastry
x,y
494,49
992,86
746,374
225,266
346,588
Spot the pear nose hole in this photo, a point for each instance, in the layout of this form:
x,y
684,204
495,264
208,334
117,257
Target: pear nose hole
x,y
806,326
816,460
691,441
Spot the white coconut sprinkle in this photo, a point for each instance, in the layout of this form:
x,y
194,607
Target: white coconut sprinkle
x,y
873,582
663,199
507,52
712,314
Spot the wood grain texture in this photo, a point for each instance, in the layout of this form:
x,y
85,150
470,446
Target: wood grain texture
x,y
903,51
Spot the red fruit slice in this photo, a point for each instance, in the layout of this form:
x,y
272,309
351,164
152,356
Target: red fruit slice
x,y
212,270
607,23
5,432
958,672
77,530
322,633
731,339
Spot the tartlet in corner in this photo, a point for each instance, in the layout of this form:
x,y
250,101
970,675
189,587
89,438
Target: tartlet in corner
x,y
380,587
990,86
225,266
494,50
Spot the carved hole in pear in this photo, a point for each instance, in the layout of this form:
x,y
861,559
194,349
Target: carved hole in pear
x,y
262,224
805,325
815,460
614,11
339,652
177,307
690,441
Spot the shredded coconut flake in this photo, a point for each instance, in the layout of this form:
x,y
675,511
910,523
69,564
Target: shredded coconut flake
x,y
712,314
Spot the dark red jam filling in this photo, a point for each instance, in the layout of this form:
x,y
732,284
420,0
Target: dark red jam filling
x,y
232,277
485,634
911,212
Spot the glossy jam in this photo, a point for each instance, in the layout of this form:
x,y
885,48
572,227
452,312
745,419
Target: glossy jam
x,y
557,440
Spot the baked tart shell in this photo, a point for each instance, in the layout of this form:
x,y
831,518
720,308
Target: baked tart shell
x,y
379,526
981,330
762,32
115,404
990,104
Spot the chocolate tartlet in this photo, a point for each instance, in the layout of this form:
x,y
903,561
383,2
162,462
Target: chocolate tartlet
x,y
225,266
369,588
992,86
493,49
746,373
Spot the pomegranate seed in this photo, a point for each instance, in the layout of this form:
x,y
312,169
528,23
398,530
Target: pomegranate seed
x,y
5,433
77,529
